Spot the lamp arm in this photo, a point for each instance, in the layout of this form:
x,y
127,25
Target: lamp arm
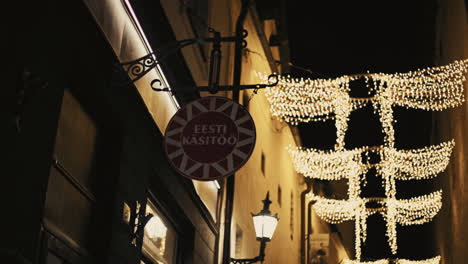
x,y
260,257
261,254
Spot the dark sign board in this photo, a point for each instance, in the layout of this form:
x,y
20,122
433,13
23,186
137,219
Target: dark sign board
x,y
210,138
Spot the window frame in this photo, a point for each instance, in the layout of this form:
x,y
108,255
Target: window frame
x,y
145,255
184,230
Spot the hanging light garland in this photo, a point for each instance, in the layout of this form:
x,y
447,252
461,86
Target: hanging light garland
x,y
380,261
416,164
297,100
414,211
434,260
306,100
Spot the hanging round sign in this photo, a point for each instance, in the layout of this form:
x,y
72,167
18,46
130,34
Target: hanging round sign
x,y
209,138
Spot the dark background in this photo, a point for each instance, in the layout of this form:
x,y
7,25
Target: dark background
x,y
334,38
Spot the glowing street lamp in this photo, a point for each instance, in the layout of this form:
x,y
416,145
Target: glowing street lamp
x,y
264,222
265,225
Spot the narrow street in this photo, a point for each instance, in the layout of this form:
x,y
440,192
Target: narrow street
x,y
235,132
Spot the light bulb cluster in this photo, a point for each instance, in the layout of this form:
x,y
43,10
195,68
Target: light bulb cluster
x,y
436,88
380,261
416,210
434,260
413,211
423,163
305,100
336,211
297,100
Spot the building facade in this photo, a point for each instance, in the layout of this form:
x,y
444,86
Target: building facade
x,y
451,44
84,159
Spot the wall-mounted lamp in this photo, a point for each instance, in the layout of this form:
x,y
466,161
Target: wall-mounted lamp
x,y
265,225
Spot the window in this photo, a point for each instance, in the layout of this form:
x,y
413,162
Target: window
x,y
291,217
238,247
53,259
279,195
245,100
262,165
159,240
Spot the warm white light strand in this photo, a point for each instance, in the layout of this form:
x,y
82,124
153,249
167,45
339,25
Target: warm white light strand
x,y
299,100
423,163
380,261
336,211
413,211
305,100
417,210
435,260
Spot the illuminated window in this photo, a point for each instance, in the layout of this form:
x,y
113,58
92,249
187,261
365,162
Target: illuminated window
x,y
159,240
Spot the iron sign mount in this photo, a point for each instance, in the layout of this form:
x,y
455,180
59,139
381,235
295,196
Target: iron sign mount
x,y
137,68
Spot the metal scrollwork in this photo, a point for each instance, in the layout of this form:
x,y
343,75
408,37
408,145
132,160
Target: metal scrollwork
x,y
139,67
136,69
158,89
273,80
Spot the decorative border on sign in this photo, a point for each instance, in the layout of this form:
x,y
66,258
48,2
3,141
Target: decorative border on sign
x,y
196,108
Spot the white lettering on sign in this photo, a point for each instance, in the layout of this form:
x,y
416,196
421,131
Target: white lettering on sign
x,y
210,129
213,134
210,138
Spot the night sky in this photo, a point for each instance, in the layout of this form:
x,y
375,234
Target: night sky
x,y
334,38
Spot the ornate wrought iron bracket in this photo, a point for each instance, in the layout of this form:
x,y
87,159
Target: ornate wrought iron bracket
x,y
137,68
273,80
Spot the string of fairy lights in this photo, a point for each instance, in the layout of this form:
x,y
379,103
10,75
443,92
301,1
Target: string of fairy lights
x,y
424,163
434,260
305,100
297,100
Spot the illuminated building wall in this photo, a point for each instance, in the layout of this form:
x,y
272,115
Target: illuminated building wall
x,y
452,44
84,152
